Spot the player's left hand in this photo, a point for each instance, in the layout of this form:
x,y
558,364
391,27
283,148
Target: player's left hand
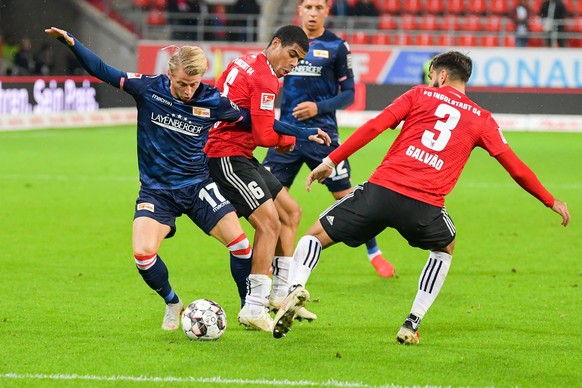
x,y
284,149
58,33
305,110
319,173
321,138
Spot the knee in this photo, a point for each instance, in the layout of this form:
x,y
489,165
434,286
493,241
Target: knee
x,y
269,225
144,249
292,217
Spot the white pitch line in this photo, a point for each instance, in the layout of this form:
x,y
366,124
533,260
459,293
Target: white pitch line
x,y
217,380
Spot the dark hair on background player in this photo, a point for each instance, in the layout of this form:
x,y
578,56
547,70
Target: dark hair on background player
x,y
458,65
288,35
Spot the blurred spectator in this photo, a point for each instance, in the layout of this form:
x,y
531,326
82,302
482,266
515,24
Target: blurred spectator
x,y
9,50
218,22
45,60
247,13
185,27
341,8
367,13
553,14
340,11
24,63
520,17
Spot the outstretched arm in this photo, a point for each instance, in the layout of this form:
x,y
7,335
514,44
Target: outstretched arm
x,y
526,178
88,59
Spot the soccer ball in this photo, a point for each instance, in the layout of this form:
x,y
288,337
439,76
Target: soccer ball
x,y
204,319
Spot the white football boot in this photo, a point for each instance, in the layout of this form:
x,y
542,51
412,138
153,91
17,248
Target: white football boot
x,y
288,309
261,321
173,315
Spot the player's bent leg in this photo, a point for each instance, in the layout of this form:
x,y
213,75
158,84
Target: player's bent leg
x,y
430,283
229,232
147,237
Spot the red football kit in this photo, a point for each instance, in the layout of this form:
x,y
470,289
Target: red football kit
x,y
250,82
441,128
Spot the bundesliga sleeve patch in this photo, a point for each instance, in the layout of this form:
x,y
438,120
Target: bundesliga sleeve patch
x,y
267,101
146,206
200,112
134,75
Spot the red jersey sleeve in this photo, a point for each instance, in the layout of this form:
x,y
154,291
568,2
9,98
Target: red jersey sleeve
x,y
365,134
525,177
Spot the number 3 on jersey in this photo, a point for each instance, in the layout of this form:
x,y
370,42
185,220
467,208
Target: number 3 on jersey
x,y
444,128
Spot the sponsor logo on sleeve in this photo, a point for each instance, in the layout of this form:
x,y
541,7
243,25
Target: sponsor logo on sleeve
x,y
267,101
200,112
134,75
146,206
321,53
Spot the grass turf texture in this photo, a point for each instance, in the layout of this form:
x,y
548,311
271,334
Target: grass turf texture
x,y
72,302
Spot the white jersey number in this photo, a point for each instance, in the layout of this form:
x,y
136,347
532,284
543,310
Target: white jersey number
x,y
444,128
206,196
229,80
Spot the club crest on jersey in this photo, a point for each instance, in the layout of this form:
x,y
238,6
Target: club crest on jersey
x,y
146,206
200,112
321,53
134,75
267,101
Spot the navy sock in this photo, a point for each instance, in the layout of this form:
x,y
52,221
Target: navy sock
x,y
158,279
240,269
372,246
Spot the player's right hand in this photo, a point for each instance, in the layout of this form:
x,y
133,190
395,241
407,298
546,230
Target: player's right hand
x,y
319,173
321,138
58,33
562,209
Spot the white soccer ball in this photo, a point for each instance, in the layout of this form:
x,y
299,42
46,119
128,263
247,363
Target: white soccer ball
x,y
204,319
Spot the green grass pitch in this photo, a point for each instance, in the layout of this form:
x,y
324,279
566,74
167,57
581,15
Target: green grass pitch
x,y
75,312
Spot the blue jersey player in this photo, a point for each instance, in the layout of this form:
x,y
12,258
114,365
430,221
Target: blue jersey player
x,y
322,83
174,114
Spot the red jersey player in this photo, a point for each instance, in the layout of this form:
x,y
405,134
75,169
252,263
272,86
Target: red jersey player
x,y
407,191
252,81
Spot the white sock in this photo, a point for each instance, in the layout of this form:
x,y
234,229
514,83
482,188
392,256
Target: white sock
x,y
305,259
258,288
281,275
431,281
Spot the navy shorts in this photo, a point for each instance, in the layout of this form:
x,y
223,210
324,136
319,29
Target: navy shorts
x,y
370,209
245,182
202,202
286,166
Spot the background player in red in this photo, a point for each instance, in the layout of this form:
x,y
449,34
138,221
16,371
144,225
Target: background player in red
x,y
252,81
407,191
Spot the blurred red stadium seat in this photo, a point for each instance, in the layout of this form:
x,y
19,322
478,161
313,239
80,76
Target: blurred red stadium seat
x,y
435,6
359,37
381,38
387,22
455,6
424,39
492,23
499,7
408,22
471,23
467,40
413,6
446,40
489,40
477,7
428,21
391,6
156,17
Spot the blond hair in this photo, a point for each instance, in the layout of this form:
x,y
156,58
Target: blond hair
x,y
189,58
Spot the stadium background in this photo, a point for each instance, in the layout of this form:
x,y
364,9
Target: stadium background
x,y
532,88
